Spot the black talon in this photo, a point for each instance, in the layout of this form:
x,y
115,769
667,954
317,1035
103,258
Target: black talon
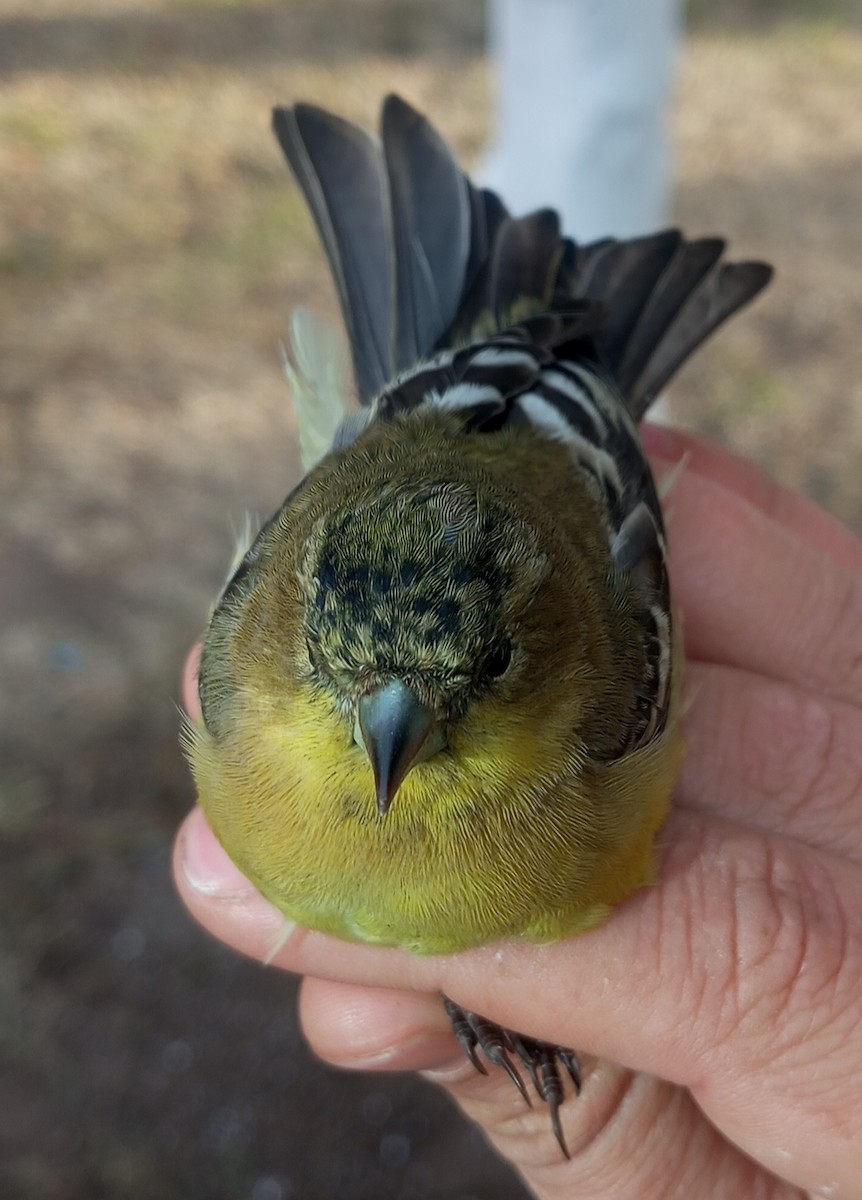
x,y
541,1059
492,1039
570,1061
464,1033
474,1032
557,1128
551,1089
525,1048
512,1071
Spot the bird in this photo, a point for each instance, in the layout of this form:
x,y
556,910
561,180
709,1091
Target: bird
x,y
440,690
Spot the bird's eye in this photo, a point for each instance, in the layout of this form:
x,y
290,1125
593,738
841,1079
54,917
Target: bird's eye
x,y
497,662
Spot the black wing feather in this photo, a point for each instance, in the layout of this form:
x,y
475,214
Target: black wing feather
x,y
720,293
431,255
423,260
339,169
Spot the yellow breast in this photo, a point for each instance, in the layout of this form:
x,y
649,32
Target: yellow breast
x,y
479,844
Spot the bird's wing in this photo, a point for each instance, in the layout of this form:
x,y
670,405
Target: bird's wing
x,y
451,302
404,230
423,260
431,255
340,170
535,374
664,295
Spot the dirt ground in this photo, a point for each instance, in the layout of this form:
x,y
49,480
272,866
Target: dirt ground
x,y
151,249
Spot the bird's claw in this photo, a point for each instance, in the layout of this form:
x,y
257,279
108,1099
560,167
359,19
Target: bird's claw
x,y
541,1059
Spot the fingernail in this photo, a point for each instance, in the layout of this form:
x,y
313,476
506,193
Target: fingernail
x,y
451,1071
427,1051
205,864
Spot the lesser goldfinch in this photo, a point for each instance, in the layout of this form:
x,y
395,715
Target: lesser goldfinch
x,y
440,691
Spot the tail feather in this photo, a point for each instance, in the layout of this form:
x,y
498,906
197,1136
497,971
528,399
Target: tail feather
x,y
489,213
431,255
721,292
585,265
339,169
524,264
423,260
624,277
624,273
518,275
688,267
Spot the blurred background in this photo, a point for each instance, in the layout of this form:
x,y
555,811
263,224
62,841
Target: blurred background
x,y
151,248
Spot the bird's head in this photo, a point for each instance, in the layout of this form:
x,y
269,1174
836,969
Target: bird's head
x,y
413,599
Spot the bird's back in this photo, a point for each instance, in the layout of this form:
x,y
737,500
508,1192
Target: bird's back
x,y
493,355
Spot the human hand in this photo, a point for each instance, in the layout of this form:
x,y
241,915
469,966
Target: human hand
x,y
731,991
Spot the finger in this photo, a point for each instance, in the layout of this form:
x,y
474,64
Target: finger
x,y
790,509
739,977
773,756
189,681
370,1029
753,595
628,1136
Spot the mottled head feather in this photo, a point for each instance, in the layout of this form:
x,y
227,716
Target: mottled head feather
x,y
420,583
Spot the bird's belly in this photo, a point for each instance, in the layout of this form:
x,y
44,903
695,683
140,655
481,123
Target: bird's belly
x,y
459,860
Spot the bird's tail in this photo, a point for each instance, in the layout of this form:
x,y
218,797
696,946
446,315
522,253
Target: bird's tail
x,y
423,259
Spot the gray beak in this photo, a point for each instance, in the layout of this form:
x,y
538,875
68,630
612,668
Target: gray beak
x,y
396,730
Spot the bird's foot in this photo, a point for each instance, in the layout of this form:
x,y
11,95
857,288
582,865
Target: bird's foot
x,y
542,1060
